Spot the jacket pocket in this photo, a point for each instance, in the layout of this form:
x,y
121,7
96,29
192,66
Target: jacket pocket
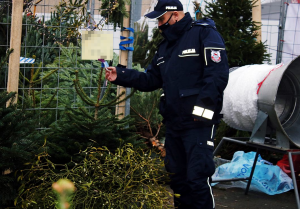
x,y
187,100
206,149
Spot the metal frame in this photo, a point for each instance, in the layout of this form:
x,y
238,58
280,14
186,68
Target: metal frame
x,y
246,142
281,27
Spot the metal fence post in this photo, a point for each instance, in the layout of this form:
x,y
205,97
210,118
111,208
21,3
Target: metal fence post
x,y
282,18
129,62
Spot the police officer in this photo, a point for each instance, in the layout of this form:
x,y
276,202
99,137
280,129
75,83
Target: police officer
x,y
191,67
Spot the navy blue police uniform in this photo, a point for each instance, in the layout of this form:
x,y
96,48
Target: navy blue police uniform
x,y
191,67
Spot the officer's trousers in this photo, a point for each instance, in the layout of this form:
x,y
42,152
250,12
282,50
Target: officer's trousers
x,y
189,160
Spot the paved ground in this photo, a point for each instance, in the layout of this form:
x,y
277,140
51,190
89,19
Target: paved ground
x,y
235,198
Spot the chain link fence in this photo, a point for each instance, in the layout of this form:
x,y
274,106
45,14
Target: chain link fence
x,y
274,31
53,74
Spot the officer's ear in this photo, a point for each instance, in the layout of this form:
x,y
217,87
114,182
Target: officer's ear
x,y
176,15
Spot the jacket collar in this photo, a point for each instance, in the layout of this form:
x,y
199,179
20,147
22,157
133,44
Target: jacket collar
x,y
173,32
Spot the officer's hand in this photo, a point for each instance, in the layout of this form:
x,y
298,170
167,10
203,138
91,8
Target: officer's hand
x,y
111,74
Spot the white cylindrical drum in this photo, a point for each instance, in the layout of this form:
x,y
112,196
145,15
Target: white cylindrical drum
x,y
241,95
272,89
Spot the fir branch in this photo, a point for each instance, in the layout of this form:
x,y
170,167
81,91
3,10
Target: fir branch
x,y
45,77
131,93
158,129
153,107
118,97
99,87
9,51
138,114
113,102
51,99
37,71
83,110
81,92
106,93
23,77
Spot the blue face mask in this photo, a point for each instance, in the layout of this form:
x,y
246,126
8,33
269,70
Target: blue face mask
x,y
165,25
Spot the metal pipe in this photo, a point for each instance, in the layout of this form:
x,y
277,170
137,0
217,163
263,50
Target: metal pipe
x,y
227,139
129,61
233,179
252,171
294,178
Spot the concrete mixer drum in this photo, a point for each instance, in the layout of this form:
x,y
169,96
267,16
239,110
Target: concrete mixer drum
x,y
264,99
287,102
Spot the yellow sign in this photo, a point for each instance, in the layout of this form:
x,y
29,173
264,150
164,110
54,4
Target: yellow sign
x,y
97,45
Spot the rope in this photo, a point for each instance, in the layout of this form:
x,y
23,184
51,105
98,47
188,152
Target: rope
x,y
198,10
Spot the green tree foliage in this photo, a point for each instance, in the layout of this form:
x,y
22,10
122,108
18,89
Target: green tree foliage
x,y
144,108
148,121
140,41
79,129
72,124
83,75
33,81
126,178
17,145
114,11
3,65
93,120
60,30
63,72
5,20
152,45
5,29
234,21
144,50
144,105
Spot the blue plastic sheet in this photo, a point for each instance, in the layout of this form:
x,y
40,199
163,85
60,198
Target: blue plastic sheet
x,y
267,178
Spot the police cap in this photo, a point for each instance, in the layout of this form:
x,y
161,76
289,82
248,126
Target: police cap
x,y
164,6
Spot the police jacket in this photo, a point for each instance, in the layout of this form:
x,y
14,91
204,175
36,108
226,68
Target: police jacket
x,y
191,67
